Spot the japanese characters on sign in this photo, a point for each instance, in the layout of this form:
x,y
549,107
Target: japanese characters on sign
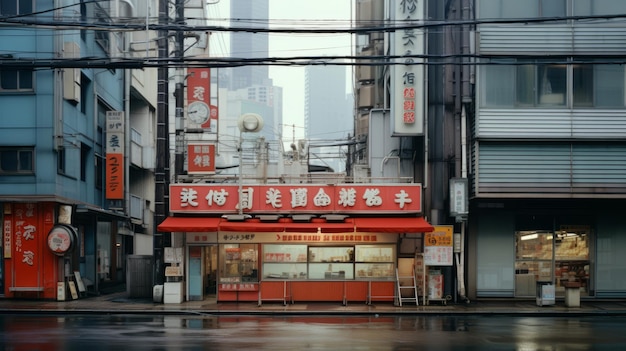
x,y
239,287
7,233
292,238
408,74
438,246
26,253
365,198
199,108
200,158
115,155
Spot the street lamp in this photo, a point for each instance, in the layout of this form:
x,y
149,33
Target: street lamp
x,y
247,123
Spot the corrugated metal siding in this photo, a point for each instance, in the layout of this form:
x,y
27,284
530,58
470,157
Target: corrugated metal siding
x,y
599,163
550,167
533,163
558,38
551,123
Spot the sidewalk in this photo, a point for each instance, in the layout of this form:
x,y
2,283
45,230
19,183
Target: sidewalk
x,y
121,303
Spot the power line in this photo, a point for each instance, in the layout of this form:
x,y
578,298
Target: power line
x,y
383,26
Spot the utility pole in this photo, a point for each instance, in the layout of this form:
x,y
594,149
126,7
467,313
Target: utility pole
x,y
179,93
161,173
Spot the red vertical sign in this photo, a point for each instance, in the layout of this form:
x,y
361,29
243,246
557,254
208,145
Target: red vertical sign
x,y
200,112
200,158
115,139
26,249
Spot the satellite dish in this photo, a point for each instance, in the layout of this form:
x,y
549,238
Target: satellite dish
x,y
250,123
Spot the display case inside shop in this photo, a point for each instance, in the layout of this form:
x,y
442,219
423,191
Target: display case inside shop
x,y
375,262
239,263
284,261
345,262
572,259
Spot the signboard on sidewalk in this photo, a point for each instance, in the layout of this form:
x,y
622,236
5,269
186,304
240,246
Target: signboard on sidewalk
x,y
438,246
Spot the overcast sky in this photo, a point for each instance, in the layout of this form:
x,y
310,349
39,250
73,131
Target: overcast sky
x,y
295,13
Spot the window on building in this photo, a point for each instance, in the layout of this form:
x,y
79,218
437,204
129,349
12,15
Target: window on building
x,y
16,7
598,85
17,160
598,7
85,92
542,85
85,151
61,160
99,169
103,37
16,80
521,9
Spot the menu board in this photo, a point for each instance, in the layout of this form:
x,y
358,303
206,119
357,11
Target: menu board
x,y
438,250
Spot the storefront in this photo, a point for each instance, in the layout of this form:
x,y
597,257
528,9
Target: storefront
x,y
324,251
565,243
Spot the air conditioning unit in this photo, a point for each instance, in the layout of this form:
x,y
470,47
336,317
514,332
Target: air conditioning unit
x,y
366,96
364,12
365,73
71,76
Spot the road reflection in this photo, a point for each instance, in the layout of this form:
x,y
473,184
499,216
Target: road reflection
x,y
393,333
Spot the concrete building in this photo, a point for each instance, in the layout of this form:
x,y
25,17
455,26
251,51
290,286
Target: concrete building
x,y
77,159
547,131
521,151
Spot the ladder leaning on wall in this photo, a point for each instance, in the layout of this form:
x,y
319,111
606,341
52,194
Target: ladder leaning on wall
x,y
402,282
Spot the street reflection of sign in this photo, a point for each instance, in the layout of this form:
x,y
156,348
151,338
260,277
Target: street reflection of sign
x,y
438,246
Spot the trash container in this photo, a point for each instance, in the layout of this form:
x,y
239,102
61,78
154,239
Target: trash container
x,y
545,293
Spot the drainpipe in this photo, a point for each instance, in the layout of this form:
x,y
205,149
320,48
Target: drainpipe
x,y
465,99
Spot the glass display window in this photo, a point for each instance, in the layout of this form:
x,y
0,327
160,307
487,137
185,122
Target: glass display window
x,y
345,262
284,261
560,256
239,263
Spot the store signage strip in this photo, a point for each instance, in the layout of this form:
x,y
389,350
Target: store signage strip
x,y
340,198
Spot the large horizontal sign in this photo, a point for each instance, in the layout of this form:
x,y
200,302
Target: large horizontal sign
x,y
296,198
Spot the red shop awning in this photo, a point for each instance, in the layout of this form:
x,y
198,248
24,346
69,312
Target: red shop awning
x,y
392,225
189,224
366,224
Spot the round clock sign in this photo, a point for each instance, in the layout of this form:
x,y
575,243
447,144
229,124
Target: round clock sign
x,y
60,239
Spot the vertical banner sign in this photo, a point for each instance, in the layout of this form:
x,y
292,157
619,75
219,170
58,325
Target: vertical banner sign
x,y
200,112
26,238
438,246
115,155
200,158
407,88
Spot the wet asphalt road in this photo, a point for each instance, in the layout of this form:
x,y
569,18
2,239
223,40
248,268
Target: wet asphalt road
x,y
393,333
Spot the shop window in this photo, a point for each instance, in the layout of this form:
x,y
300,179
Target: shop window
x,y
345,262
285,261
239,263
557,256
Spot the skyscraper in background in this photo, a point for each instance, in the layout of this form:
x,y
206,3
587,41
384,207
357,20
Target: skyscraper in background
x,y
328,111
249,14
250,88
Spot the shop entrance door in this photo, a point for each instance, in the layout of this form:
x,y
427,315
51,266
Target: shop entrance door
x,y
560,257
202,272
